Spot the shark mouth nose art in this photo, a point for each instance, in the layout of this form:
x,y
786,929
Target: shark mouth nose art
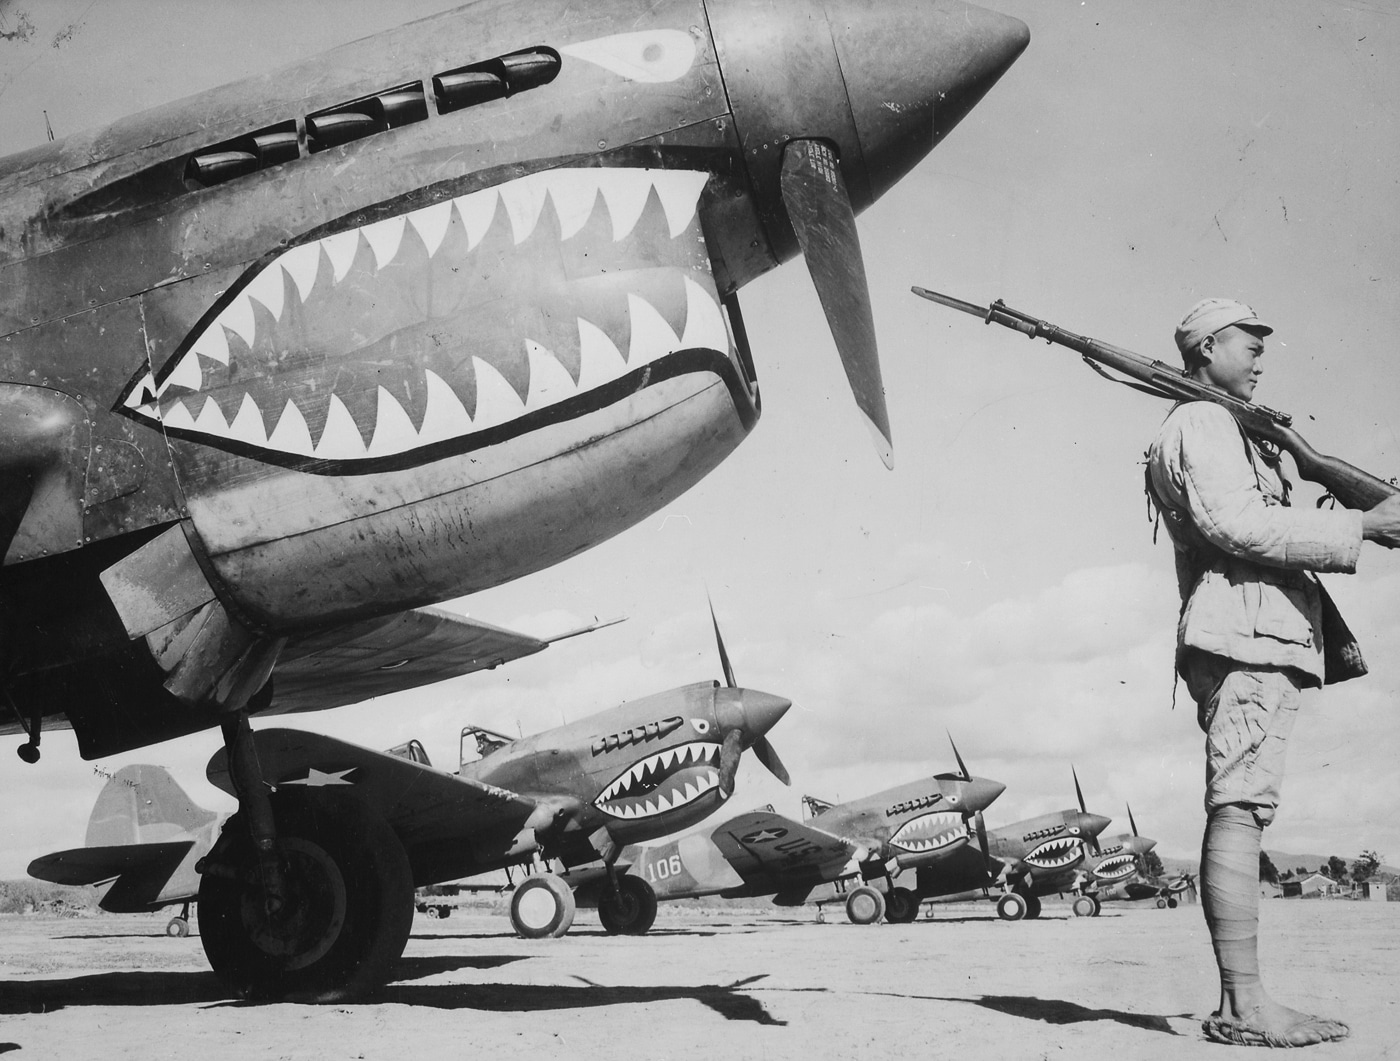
x,y
663,782
930,832
1114,867
1056,854
432,331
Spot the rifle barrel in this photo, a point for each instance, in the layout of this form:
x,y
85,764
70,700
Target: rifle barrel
x,y
950,302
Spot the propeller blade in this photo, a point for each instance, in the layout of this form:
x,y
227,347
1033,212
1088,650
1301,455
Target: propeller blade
x,y
982,837
1130,819
962,766
768,756
819,208
729,761
1093,841
723,655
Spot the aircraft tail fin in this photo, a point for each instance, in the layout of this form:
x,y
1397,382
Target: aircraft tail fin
x,y
143,804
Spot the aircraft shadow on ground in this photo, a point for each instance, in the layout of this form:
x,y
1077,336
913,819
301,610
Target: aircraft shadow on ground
x,y
1056,1011
729,1001
133,988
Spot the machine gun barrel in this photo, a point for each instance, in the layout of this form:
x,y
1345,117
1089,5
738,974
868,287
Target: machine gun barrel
x,y
1346,482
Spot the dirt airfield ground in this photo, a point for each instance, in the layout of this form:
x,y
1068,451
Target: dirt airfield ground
x,y
728,983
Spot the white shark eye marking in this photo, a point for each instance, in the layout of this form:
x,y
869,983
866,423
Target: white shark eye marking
x,y
1074,829
700,725
954,799
650,56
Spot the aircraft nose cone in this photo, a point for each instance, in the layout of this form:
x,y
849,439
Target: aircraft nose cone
x,y
1093,824
762,711
912,71
979,793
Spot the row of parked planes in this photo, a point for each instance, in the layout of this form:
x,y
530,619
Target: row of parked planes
x,y
574,807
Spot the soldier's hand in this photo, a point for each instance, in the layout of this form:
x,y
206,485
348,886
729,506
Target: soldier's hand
x,y
1382,523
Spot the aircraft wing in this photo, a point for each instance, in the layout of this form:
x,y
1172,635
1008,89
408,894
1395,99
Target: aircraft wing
x,y
763,845
348,664
431,811
352,663
92,865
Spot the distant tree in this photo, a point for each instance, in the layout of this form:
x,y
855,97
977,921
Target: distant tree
x,y
1300,871
1267,870
1154,865
1336,868
1365,866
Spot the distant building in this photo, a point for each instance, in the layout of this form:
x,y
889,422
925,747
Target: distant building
x,y
1374,890
1312,886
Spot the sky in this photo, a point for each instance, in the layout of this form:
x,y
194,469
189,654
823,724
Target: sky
x,y
1002,583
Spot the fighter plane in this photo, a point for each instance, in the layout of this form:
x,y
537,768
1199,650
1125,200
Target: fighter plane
x,y
572,795
1118,873
1023,862
144,839
285,362
853,850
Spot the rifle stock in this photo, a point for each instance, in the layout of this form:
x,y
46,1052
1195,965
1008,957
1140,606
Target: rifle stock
x,y
1350,485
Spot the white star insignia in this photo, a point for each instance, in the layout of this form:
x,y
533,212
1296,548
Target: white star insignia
x,y
316,779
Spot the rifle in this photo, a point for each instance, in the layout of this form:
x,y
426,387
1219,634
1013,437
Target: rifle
x,y
1350,485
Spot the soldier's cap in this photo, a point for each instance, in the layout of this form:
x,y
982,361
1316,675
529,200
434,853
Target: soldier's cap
x,y
1209,316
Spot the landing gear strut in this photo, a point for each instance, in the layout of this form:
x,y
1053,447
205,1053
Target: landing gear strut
x,y
33,728
306,896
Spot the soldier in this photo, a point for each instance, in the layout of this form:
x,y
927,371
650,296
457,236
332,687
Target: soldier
x,y
1250,641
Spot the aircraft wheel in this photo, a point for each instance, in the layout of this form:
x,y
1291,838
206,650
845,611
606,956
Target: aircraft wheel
x,y
901,906
432,911
1083,906
177,928
821,916
865,905
1161,904
1011,907
1098,906
1172,904
348,906
542,907
632,912
1032,906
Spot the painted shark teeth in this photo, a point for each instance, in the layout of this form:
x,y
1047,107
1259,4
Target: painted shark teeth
x,y
1055,854
306,271
930,832
663,781
1115,866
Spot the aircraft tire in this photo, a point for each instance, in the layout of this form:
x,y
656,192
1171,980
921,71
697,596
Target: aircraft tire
x,y
1172,904
901,906
348,909
1098,906
542,907
177,928
1161,904
1032,906
1083,906
1011,907
633,912
865,905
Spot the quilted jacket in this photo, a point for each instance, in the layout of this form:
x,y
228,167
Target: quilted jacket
x,y
1243,557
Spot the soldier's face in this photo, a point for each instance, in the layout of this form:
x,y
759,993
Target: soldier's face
x,y
1235,361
